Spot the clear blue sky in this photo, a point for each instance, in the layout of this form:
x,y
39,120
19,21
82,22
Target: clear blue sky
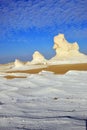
x,y
29,25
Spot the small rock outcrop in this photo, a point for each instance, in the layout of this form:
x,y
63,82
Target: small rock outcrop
x,y
18,63
38,58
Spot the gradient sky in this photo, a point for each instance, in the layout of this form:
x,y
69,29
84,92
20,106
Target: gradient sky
x,y
30,25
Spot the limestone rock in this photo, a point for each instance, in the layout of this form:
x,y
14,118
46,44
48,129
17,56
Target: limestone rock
x,y
38,58
18,63
64,49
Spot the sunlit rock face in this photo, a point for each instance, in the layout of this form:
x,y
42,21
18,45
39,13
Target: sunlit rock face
x,y
65,53
65,49
18,63
38,58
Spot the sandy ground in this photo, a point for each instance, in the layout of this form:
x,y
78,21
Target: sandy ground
x,y
57,69
44,101
12,77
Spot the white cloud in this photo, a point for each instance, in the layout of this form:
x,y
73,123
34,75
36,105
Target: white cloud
x,y
27,14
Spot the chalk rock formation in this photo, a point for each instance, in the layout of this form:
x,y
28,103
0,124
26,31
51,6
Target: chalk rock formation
x,y
38,58
18,63
65,49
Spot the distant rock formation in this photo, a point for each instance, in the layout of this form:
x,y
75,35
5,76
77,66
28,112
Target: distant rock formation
x,y
65,53
18,63
64,49
38,58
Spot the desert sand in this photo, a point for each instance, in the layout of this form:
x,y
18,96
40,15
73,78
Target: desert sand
x,y
57,69
12,77
44,101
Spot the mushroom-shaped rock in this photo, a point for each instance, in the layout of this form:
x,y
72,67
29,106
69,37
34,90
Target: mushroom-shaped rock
x,y
61,43
66,52
38,58
18,63
65,49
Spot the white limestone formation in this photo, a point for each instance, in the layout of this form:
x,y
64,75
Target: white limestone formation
x,y
64,49
38,58
18,63
66,52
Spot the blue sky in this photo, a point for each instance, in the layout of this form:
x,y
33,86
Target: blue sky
x,y
30,25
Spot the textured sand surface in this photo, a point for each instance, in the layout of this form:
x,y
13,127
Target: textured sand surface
x,y
57,69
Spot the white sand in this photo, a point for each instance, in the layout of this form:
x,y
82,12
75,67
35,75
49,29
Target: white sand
x,y
44,101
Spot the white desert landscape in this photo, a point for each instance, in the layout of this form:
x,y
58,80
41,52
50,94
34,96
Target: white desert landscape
x,y
45,94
